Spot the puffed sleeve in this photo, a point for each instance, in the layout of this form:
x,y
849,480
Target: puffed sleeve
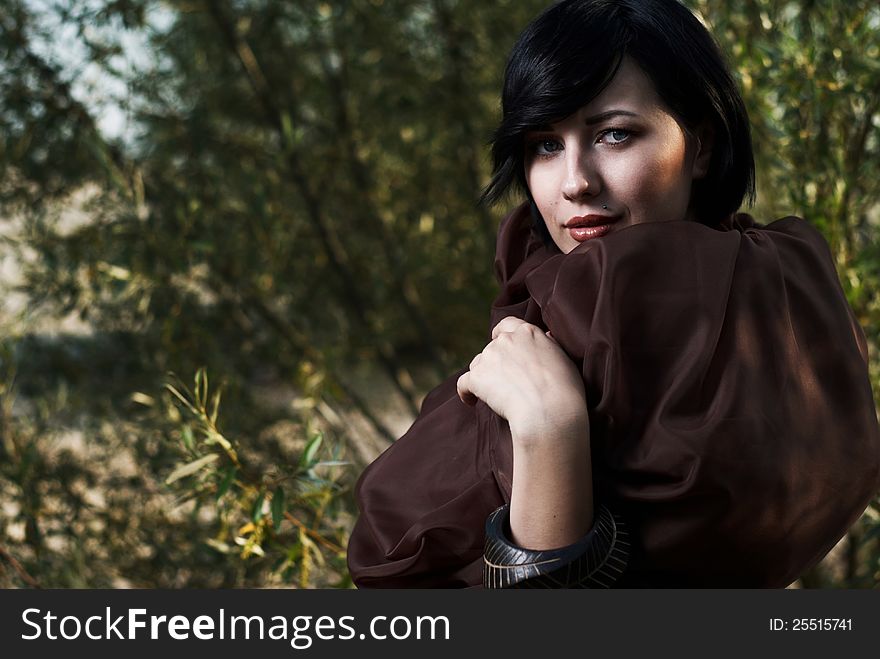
x,y
731,413
424,501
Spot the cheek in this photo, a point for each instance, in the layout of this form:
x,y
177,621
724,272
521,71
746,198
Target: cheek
x,y
658,181
544,187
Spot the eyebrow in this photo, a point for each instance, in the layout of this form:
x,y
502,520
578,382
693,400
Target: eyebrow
x,y
603,116
597,118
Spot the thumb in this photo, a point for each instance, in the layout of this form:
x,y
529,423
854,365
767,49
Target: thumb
x,y
462,387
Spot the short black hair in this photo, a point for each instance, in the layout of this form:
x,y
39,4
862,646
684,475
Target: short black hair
x,y
570,53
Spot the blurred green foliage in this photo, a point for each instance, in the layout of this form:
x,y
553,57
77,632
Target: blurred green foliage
x,y
259,513
293,207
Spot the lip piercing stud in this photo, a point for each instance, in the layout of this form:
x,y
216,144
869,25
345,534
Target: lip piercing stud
x,y
604,207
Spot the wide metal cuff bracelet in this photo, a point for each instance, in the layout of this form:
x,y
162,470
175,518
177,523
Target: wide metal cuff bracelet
x,y
596,561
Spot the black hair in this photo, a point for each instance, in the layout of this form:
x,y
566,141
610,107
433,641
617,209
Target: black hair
x,y
570,53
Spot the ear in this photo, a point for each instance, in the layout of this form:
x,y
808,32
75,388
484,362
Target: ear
x,y
705,141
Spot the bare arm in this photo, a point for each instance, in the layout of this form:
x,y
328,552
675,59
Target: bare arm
x,y
525,377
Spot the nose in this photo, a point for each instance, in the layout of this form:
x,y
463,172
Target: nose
x,y
581,178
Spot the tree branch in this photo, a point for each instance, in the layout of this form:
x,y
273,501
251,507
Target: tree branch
x,y
19,568
336,255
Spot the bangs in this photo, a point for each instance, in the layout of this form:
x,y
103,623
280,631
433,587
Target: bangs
x,y
557,68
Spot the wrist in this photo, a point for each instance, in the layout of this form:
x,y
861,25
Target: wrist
x,y
566,427
546,513
552,495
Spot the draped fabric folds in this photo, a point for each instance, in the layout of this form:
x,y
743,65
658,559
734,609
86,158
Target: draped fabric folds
x,y
731,417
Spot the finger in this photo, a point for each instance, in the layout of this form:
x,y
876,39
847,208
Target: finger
x,y
475,361
508,324
462,386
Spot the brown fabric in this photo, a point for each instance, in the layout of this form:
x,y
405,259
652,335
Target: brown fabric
x,y
732,421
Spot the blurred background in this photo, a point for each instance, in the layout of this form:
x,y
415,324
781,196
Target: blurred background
x,y
240,239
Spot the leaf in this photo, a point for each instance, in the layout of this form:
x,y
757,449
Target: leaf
x,y
215,405
257,510
201,390
287,128
182,398
189,469
311,448
226,483
277,507
219,545
188,439
252,547
333,463
143,399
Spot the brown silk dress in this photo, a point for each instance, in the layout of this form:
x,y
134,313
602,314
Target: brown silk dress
x,y
731,417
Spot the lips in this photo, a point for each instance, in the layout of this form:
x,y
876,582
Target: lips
x,y
585,227
592,220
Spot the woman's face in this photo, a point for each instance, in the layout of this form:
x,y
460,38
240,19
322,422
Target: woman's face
x,y
620,160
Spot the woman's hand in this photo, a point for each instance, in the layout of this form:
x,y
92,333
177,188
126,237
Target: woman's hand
x,y
526,377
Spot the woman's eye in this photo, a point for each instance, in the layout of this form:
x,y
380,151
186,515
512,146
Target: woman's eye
x,y
545,147
614,136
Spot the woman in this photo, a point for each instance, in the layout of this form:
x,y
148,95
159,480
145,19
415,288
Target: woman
x,y
673,395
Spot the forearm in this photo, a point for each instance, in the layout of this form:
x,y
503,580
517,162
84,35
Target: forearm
x,y
552,495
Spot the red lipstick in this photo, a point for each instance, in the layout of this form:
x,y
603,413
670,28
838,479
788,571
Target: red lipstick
x,y
585,227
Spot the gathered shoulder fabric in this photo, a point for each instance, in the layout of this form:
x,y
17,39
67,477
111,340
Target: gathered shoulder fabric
x,y
732,422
